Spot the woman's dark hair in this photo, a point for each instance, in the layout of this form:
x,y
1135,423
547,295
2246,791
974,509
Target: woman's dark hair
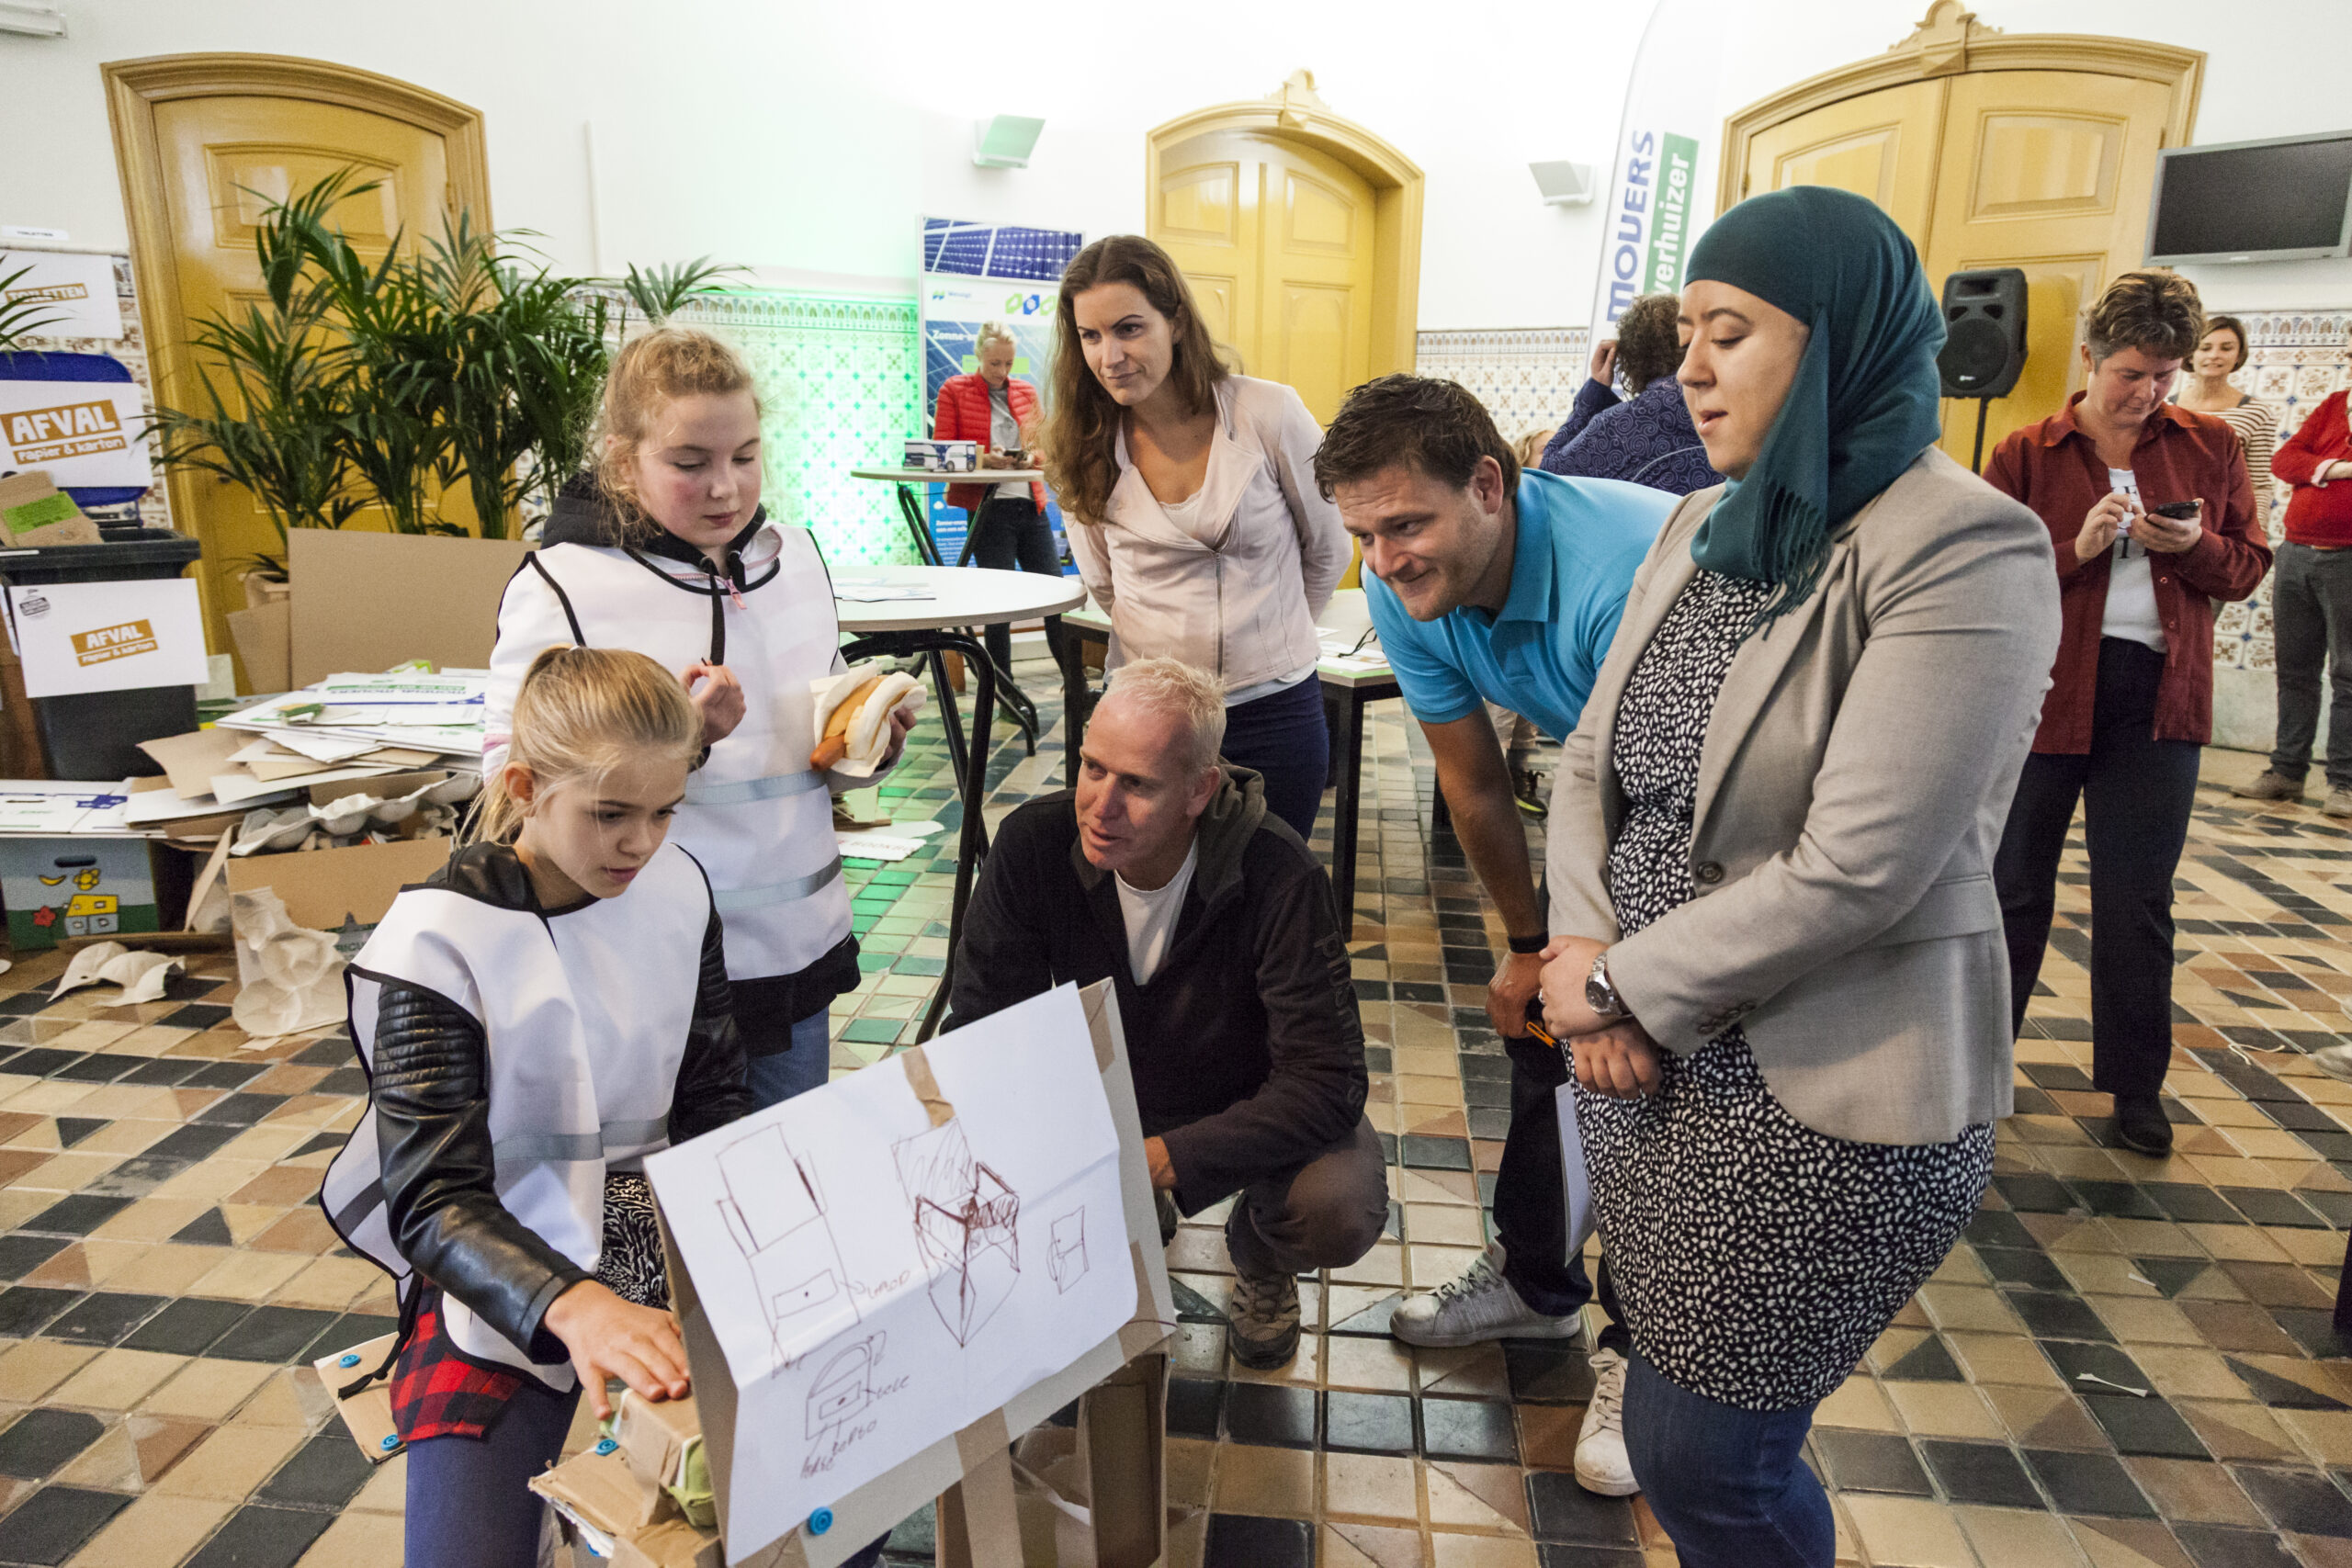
x,y
1649,341
1434,426
1077,439
2155,310
2236,328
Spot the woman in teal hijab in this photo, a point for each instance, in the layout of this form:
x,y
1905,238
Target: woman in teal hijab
x,y
1780,965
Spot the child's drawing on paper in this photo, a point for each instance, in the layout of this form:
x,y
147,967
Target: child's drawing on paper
x,y
965,1219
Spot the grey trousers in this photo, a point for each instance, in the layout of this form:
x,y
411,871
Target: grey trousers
x,y
2311,613
1323,1214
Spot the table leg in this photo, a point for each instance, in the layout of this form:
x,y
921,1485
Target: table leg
x,y
951,716
972,841
1073,703
1343,811
912,507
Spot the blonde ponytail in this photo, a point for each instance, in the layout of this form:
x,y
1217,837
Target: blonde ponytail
x,y
578,713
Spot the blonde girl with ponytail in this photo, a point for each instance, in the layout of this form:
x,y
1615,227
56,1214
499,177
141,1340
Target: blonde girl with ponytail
x,y
666,550
537,1017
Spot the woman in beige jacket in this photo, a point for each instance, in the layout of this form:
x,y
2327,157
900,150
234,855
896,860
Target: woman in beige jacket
x,y
1201,531
1778,956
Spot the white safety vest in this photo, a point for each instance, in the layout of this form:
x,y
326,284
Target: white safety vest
x,y
585,1017
756,815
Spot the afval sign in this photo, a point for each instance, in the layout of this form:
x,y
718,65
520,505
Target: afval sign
x,y
82,433
75,638
1663,191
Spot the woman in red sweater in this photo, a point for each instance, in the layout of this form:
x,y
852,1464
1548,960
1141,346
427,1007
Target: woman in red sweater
x,y
2311,608
1007,527
2131,700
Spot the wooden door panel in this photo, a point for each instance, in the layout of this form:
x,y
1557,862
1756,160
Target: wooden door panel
x,y
1201,205
225,159
1317,217
1318,343
1882,145
2048,170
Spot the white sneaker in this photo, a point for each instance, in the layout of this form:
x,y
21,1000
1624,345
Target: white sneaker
x,y
1476,1306
2335,1061
1601,1464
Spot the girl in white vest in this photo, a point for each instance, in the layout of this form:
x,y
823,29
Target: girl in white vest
x,y
534,1019
667,551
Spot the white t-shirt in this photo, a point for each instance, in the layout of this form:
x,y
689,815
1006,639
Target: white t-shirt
x,y
1152,917
2131,611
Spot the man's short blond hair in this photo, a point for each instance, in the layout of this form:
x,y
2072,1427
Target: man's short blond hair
x,y
1192,696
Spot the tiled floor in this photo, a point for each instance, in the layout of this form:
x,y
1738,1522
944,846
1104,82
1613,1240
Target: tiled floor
x,y
170,1276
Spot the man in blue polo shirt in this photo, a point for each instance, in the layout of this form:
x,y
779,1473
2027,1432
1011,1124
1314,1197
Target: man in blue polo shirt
x,y
1487,584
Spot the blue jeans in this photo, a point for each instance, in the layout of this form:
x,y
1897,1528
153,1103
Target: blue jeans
x,y
1729,1485
1286,739
468,1504
777,1077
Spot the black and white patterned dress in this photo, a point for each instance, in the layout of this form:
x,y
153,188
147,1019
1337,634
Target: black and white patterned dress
x,y
1756,1258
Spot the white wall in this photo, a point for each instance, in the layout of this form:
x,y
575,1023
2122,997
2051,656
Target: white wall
x,y
809,137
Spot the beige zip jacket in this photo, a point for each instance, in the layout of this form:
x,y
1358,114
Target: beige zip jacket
x,y
1237,593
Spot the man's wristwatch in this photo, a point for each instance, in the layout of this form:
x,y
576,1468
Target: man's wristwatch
x,y
1599,994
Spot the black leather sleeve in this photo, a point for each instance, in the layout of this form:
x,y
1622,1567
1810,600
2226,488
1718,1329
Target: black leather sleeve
x,y
432,1109
710,1091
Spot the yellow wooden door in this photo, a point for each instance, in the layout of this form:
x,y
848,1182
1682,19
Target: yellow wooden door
x,y
225,159
1883,145
1277,242
2051,172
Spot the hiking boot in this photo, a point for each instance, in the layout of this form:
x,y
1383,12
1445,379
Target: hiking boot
x,y
2271,784
2340,802
2140,1124
1474,1306
1601,1464
1526,788
1264,1316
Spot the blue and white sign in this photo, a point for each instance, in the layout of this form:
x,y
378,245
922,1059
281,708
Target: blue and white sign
x,y
1663,191
985,272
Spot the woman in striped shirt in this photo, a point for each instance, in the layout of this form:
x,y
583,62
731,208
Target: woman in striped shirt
x,y
2219,353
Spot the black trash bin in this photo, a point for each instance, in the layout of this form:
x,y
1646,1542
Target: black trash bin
x,y
96,736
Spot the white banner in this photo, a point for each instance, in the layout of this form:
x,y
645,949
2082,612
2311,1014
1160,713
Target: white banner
x,y
1663,191
78,433
77,289
76,637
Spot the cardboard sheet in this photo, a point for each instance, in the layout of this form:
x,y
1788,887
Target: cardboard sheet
x,y
367,601
881,1279
264,638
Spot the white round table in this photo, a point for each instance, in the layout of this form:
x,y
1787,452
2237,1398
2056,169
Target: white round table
x,y
961,599
913,481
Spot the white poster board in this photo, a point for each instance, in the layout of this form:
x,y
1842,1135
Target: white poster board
x,y
76,637
78,433
77,289
890,1259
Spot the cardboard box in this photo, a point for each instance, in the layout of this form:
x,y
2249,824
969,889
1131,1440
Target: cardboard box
x,y
34,511
366,1415
654,1436
366,600
605,1493
672,1543
81,885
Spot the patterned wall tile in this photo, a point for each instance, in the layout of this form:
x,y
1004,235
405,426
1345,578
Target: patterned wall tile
x,y
1527,379
2294,358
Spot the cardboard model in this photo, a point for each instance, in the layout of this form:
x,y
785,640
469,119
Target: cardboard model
x,y
810,1369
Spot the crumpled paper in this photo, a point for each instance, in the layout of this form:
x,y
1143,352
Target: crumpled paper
x,y
141,975
291,976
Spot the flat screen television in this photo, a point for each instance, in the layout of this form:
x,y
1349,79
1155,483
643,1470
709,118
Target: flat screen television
x,y
2287,199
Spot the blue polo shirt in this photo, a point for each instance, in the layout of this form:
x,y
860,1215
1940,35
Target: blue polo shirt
x,y
1579,543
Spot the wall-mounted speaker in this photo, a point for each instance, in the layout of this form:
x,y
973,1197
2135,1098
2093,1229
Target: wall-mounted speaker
x,y
1563,184
1984,327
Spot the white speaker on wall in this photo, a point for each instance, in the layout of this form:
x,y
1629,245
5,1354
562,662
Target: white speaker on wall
x,y
34,21
1005,142
1563,184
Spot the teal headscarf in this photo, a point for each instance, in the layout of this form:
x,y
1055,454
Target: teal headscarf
x,y
1865,404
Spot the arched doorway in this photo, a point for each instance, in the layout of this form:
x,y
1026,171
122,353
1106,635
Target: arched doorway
x,y
1300,233
2032,151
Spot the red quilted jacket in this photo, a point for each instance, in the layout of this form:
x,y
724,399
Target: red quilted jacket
x,y
964,416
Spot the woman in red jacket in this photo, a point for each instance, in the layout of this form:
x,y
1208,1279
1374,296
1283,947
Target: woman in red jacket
x,y
1007,527
2150,514
2311,608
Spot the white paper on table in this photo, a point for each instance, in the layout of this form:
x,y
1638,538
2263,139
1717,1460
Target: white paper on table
x,y
78,638
147,807
321,748
78,433
877,590
857,1340
57,807
1573,1176
75,290
232,790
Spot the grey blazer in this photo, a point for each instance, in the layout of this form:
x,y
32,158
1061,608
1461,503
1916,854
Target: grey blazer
x,y
1852,788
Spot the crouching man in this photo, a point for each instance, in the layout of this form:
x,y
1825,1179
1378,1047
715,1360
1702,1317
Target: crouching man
x,y
1164,873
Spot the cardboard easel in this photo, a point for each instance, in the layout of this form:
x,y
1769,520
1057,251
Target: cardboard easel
x,y
1120,1383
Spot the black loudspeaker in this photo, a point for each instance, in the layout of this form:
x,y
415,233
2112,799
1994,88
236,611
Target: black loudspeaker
x,y
1985,321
